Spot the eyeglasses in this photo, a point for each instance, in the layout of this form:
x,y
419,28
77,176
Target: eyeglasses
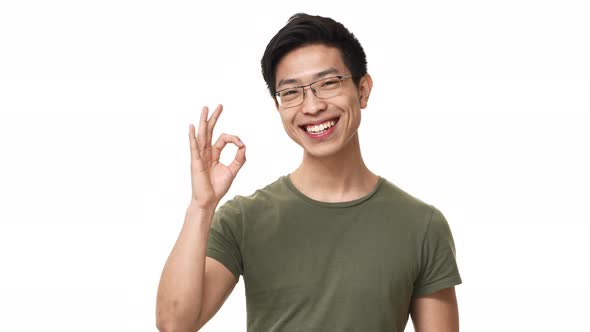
x,y
325,88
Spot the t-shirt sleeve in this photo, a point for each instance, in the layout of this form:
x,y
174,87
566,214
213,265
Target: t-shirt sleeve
x,y
438,264
225,237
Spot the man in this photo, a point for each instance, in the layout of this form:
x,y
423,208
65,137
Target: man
x,y
330,246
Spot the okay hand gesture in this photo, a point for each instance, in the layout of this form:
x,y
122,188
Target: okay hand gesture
x,y
210,178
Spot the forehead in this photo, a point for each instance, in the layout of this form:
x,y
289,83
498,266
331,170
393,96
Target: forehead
x,y
304,63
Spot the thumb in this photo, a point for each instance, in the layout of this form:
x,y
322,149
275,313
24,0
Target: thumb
x,y
239,160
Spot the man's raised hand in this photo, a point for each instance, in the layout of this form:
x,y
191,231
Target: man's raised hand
x,y
210,178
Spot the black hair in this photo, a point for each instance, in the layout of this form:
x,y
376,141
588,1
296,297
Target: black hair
x,y
302,30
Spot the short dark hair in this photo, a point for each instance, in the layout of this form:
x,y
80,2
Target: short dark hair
x,y
302,30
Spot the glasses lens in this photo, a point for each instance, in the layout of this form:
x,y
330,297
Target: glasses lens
x,y
290,97
328,87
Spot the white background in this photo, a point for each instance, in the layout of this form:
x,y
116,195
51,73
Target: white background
x,y
479,108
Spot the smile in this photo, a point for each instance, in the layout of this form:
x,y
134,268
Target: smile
x,y
320,130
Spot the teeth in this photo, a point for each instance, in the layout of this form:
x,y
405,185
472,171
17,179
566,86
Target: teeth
x,y
320,127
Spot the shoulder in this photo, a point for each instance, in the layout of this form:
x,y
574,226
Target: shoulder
x,y
405,206
260,199
417,217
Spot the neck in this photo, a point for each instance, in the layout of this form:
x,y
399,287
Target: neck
x,y
335,178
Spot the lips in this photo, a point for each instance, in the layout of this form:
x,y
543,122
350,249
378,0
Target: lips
x,y
315,123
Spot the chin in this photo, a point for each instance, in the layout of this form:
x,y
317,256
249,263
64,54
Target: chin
x,y
322,151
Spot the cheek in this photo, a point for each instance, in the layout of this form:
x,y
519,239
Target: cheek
x,y
353,107
289,127
343,104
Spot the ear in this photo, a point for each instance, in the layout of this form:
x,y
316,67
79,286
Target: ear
x,y
274,98
365,86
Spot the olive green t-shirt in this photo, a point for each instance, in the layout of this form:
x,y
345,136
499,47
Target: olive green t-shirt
x,y
346,266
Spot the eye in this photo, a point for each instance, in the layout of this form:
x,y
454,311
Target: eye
x,y
289,94
330,83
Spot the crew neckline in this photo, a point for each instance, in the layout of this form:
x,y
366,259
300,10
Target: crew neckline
x,y
287,180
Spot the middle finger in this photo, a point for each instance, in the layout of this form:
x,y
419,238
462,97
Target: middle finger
x,y
212,121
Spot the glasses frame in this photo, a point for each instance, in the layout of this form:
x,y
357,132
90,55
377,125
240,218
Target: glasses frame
x,y
302,87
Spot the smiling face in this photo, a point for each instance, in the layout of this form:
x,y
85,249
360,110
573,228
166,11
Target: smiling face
x,y
322,127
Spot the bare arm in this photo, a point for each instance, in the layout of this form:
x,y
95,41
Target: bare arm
x,y
192,288
437,312
218,284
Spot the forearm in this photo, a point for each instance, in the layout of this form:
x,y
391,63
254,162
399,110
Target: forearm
x,y
180,292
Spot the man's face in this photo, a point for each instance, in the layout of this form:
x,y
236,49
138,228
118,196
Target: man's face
x,y
303,66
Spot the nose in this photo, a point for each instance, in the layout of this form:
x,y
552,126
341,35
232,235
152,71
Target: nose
x,y
311,103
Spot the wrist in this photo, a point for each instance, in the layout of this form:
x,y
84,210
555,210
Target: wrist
x,y
199,208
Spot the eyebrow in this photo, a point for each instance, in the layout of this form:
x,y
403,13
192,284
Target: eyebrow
x,y
315,76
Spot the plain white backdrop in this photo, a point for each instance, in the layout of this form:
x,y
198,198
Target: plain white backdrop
x,y
479,108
